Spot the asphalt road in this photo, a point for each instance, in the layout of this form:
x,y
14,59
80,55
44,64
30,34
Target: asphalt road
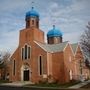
x,y
26,88
30,88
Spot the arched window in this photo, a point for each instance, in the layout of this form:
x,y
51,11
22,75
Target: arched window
x,y
70,74
29,49
26,52
32,22
40,65
22,53
14,66
37,24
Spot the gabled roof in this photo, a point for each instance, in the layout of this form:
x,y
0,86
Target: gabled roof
x,y
52,47
74,47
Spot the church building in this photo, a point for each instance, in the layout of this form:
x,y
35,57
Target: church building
x,y
54,61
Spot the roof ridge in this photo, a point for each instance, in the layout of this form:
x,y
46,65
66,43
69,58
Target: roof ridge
x,y
74,47
52,47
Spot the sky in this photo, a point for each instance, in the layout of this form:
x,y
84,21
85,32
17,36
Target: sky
x,y
69,16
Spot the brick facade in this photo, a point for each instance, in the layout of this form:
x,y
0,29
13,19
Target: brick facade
x,y
45,61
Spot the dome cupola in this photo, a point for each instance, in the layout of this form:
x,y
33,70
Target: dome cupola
x,y
54,32
32,13
54,36
32,18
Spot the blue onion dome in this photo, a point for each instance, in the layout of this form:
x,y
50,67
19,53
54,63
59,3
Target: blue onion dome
x,y
32,13
54,32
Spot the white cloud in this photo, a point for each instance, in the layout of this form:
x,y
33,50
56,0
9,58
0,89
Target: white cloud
x,y
70,16
72,37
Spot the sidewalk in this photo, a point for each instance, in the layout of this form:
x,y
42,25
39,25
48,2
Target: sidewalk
x,y
20,84
79,85
16,83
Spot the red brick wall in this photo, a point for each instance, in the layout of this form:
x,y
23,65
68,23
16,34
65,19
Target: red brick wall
x,y
15,57
37,51
59,63
58,67
28,36
68,65
79,57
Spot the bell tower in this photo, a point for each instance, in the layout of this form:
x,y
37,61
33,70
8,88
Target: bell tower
x,y
32,18
31,32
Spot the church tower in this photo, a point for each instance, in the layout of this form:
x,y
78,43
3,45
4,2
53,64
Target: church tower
x,y
31,32
54,36
32,18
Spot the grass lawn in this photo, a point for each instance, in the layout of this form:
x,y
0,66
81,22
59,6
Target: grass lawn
x,y
4,81
55,85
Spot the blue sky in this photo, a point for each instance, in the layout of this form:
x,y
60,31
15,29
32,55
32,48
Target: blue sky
x,y
70,16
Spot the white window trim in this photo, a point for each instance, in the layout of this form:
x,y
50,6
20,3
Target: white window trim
x,y
24,52
70,74
21,53
27,52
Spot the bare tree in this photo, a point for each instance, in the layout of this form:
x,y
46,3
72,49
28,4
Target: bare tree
x,y
85,43
4,62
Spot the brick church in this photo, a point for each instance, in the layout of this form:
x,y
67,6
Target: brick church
x,y
35,61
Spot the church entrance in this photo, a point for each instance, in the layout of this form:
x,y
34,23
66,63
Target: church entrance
x,y
25,72
26,75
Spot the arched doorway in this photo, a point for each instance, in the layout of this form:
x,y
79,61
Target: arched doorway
x,y
25,72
